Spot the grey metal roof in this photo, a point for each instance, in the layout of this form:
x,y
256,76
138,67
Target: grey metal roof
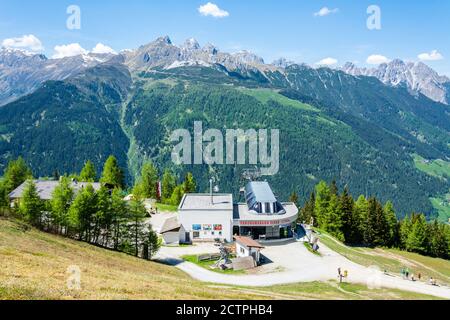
x,y
259,191
45,188
242,214
171,224
203,202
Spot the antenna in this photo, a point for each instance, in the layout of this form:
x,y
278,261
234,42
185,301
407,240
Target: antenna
x,y
212,189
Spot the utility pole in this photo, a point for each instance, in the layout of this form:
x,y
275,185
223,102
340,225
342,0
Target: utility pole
x,y
211,190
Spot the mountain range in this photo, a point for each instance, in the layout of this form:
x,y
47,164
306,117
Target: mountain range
x,y
361,127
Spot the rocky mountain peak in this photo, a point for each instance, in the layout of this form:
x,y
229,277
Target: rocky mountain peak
x,y
282,63
211,49
416,76
191,44
164,40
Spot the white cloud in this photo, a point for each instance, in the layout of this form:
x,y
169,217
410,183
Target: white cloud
x,y
26,42
68,50
327,62
101,48
325,11
431,56
211,9
377,59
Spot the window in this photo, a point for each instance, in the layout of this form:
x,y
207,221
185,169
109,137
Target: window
x,y
267,207
242,250
196,234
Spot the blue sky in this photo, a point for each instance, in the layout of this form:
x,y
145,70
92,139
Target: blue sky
x,y
272,29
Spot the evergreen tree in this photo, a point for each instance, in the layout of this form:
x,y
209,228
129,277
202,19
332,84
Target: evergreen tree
x,y
112,174
152,243
147,185
119,218
102,215
3,198
307,212
16,173
168,185
190,186
360,217
438,240
331,221
56,175
88,173
334,188
31,205
350,225
177,195
382,231
60,203
417,237
405,230
322,201
294,198
82,212
369,224
392,223
137,214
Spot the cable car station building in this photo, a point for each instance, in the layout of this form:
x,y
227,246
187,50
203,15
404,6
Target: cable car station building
x,y
206,217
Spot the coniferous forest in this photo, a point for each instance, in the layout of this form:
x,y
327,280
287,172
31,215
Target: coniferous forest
x,y
365,221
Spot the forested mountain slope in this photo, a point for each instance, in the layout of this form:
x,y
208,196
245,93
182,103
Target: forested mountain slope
x,y
333,126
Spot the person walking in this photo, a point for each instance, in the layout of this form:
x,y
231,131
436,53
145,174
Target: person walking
x,y
340,274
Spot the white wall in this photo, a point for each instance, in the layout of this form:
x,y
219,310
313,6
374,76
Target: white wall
x,y
171,237
241,251
189,218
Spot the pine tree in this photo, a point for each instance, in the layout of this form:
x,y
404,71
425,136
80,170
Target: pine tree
x,y
147,185
3,198
322,201
112,174
31,205
293,198
307,212
369,225
56,175
360,217
417,237
60,203
177,195
190,186
346,209
168,185
82,212
381,227
332,222
101,218
119,217
334,188
438,240
88,173
392,223
137,214
152,243
405,230
16,173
